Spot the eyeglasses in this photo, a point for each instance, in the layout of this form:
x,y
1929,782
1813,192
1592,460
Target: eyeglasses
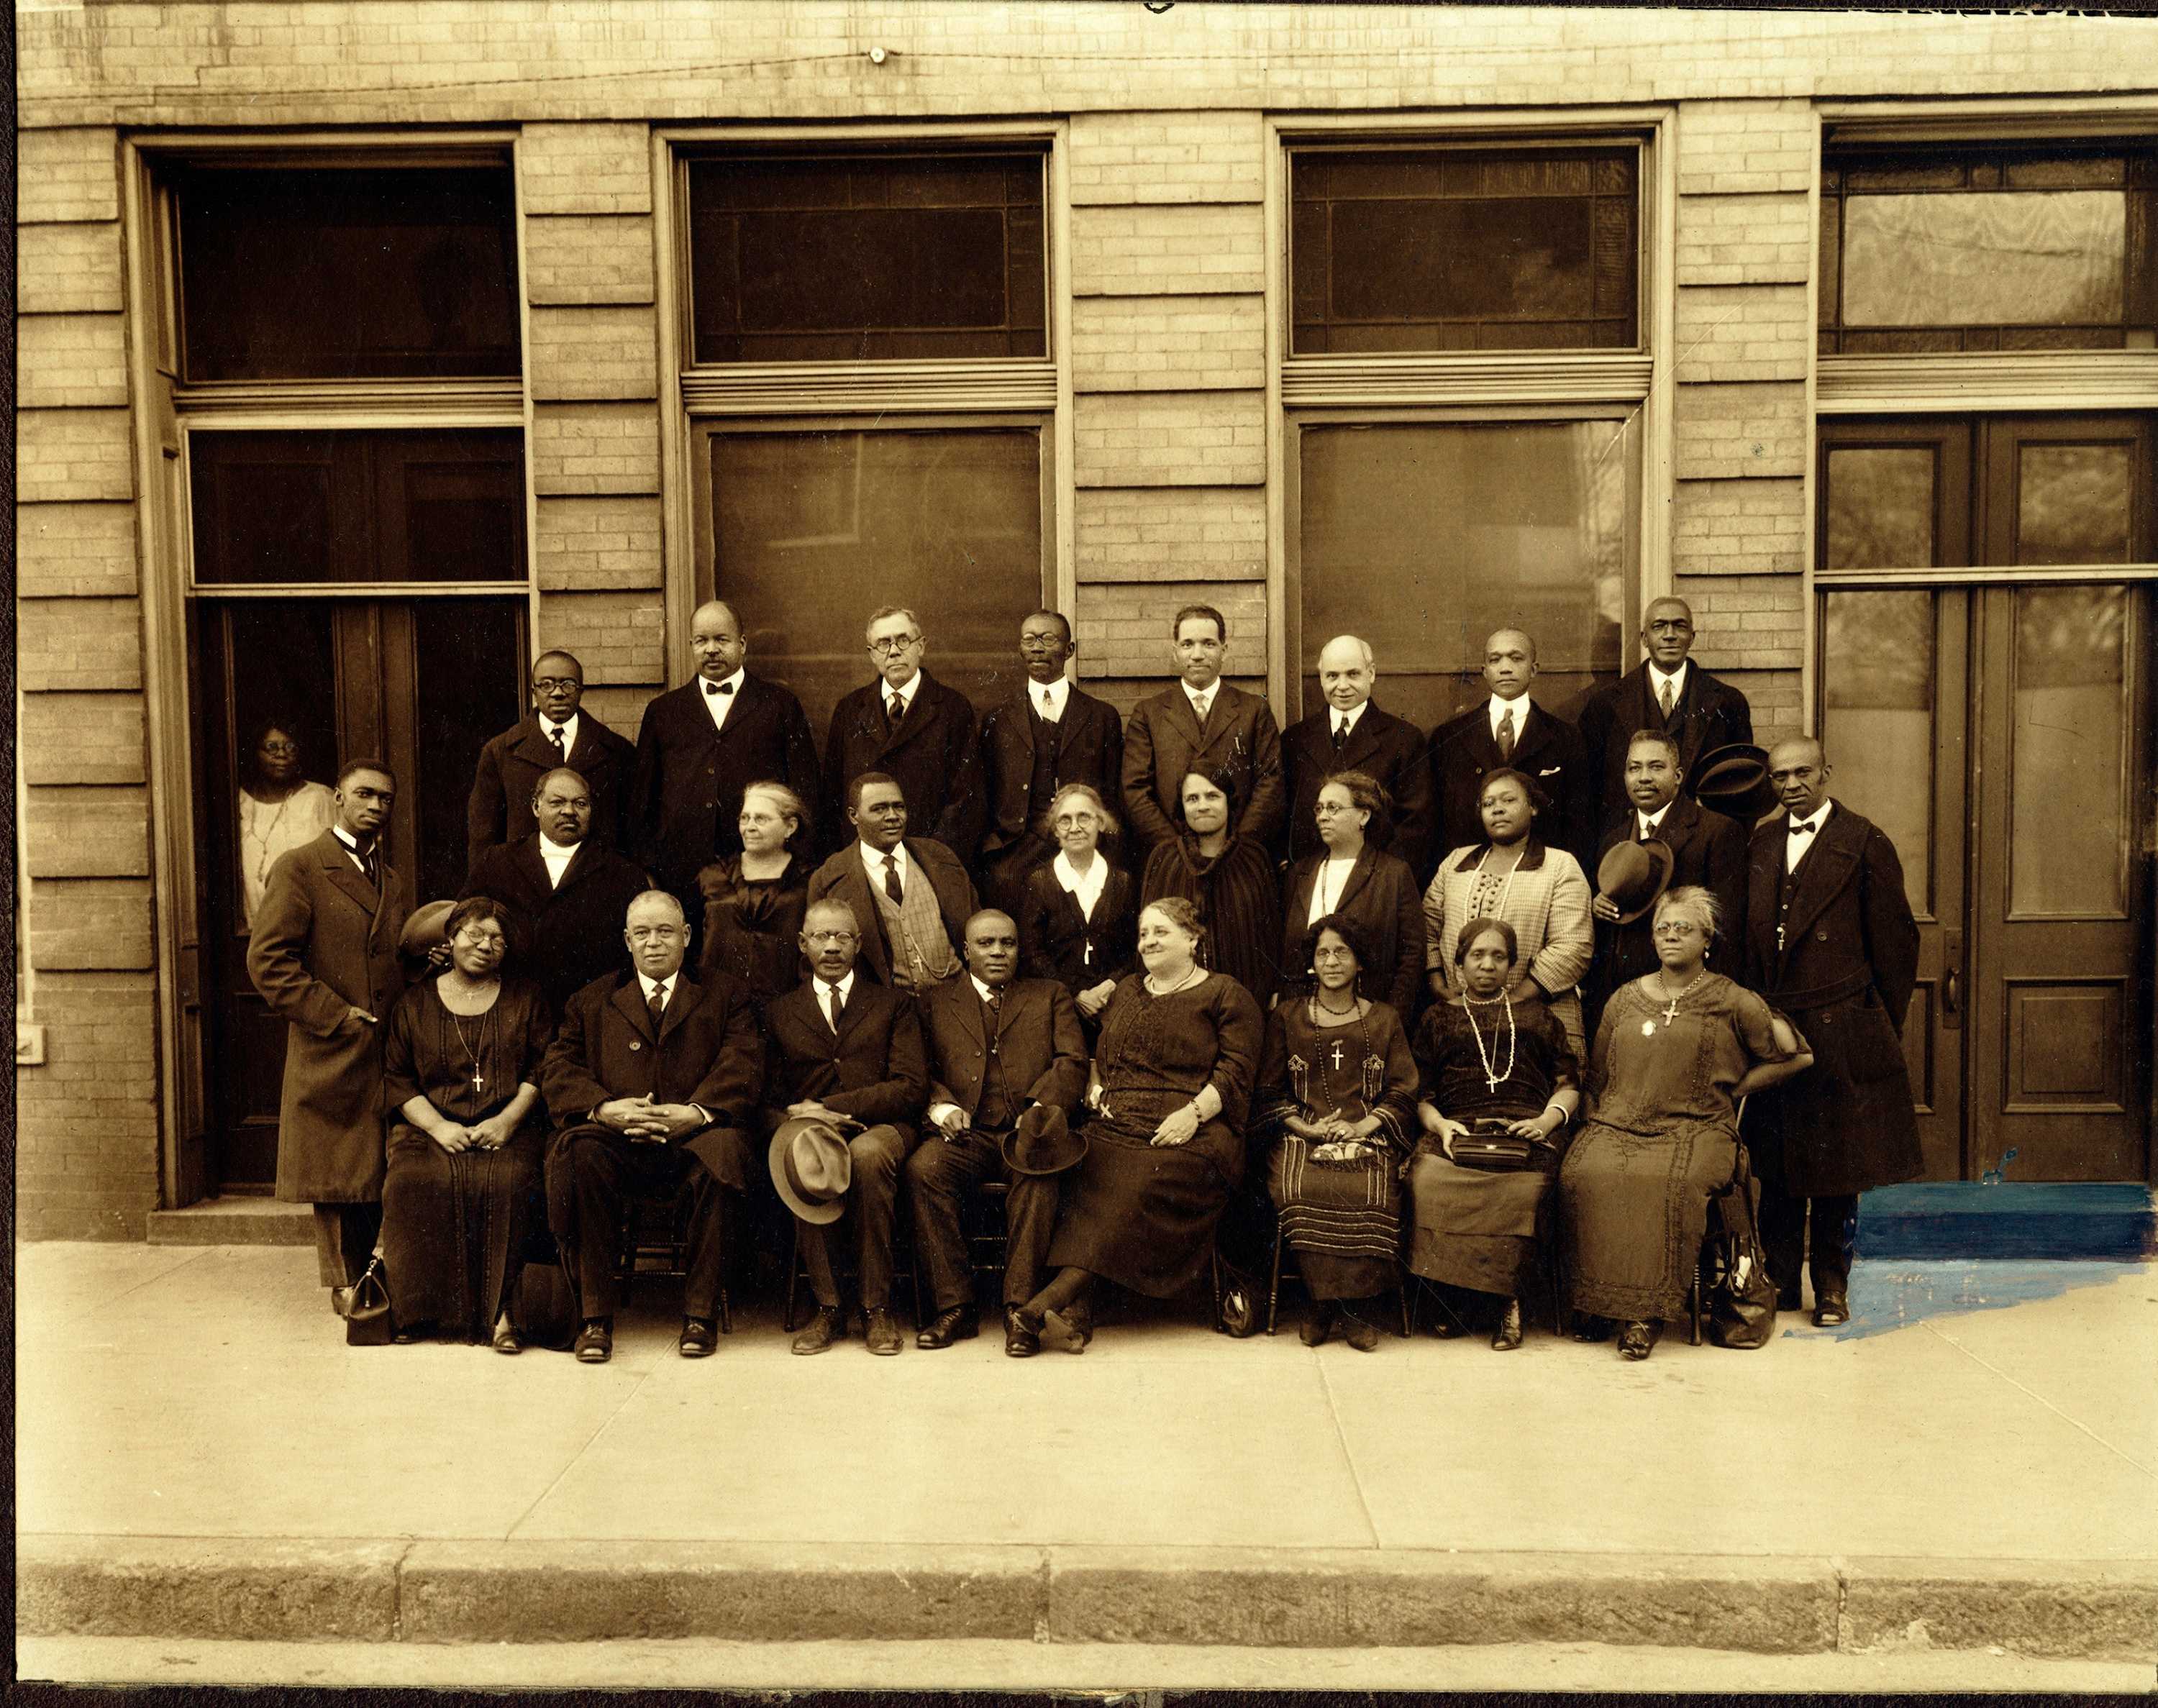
x,y
482,940
549,685
893,648
282,749
1333,954
821,939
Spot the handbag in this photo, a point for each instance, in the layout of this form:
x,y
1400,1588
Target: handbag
x,y
365,1307
1738,1294
1489,1146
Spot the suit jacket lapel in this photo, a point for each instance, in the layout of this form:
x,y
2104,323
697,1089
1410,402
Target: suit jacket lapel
x,y
1178,707
533,745
1820,875
679,1001
531,867
629,998
336,861
1360,875
919,713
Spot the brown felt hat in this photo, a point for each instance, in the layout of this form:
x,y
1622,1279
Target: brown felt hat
x,y
1633,874
811,1168
426,927
1734,780
1043,1143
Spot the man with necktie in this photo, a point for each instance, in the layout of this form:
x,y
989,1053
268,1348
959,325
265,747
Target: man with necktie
x,y
1830,942
848,1050
559,732
1509,728
1349,733
1204,725
909,726
998,1046
912,897
323,955
700,745
1668,692
1047,734
652,1082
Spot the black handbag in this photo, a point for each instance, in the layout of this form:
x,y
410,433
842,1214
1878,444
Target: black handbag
x,y
1738,1293
365,1308
1489,1146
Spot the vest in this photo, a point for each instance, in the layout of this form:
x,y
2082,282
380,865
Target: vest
x,y
919,950
993,1113
1048,740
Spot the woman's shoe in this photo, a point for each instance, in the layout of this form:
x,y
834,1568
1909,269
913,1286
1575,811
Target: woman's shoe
x,y
1508,1335
1358,1333
1318,1325
1069,1330
505,1339
1639,1339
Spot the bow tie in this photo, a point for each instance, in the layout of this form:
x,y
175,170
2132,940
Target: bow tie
x,y
1800,827
718,687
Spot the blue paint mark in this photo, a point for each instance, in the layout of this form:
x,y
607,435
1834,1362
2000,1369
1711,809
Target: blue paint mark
x,y
1901,1292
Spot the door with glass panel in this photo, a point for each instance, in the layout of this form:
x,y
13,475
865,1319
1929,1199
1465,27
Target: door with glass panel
x,y
1997,724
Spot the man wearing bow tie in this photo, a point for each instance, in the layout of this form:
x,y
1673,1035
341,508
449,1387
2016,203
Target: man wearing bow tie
x,y
1830,942
1349,733
559,732
908,725
701,745
1509,729
1207,725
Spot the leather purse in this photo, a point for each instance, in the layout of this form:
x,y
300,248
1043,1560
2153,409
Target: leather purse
x,y
365,1308
1489,1146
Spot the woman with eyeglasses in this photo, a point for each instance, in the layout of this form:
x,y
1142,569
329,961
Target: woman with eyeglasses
x,y
1366,884
1078,925
754,900
460,1067
279,807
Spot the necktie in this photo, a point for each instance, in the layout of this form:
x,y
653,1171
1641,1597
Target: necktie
x,y
1340,734
994,1004
1506,733
831,1000
1665,696
891,879
894,712
1202,705
1048,708
716,688
554,736
370,867
656,1005
1800,827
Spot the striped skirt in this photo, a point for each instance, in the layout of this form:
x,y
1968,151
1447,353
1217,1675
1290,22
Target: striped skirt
x,y
1344,1223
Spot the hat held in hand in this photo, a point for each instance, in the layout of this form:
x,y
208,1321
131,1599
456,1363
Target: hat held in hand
x,y
811,1168
1633,875
1043,1143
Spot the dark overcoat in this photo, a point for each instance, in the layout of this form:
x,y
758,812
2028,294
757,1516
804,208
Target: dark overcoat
x,y
934,755
1382,901
499,810
686,799
1547,749
1843,972
325,942
1241,743
872,1070
565,935
1385,747
1039,1042
1706,848
1090,749
1710,713
842,878
1057,941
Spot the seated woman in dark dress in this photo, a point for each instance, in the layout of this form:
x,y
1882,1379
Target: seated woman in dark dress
x,y
1488,1053
1179,1046
1336,1085
1230,880
754,902
1075,925
1675,1052
460,1070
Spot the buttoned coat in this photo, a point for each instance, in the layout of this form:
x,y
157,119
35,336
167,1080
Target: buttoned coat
x,y
686,799
708,1050
1388,749
1381,899
563,935
934,755
873,1070
324,943
1090,749
499,810
1039,1040
1710,713
1058,941
1164,745
1706,848
842,878
1547,749
1843,971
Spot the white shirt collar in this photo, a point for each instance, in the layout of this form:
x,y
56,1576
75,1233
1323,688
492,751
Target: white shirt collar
x,y
1498,708
1347,719
1059,693
352,847
557,856
651,985
1194,694
1086,888
1658,676
905,691
873,859
718,705
981,989
568,727
1819,818
822,991
1648,823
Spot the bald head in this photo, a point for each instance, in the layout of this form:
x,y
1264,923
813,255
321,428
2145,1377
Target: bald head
x,y
1345,672
716,640
1667,632
1509,662
992,947
1800,770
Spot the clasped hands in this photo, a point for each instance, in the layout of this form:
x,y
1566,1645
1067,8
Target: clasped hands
x,y
490,1134
1337,1140
643,1121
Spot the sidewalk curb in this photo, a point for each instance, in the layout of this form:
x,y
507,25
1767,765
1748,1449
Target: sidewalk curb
x,y
295,1589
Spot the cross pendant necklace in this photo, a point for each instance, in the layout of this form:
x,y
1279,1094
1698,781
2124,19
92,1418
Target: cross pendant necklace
x,y
1337,1054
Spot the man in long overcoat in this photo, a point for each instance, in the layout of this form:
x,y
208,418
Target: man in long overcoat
x,y
1830,941
323,955
911,727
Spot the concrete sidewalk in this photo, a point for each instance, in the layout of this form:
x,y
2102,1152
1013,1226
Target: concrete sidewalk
x,y
199,1457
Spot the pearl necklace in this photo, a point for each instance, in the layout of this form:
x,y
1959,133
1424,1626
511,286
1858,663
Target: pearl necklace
x,y
1671,1006
1189,978
1492,1077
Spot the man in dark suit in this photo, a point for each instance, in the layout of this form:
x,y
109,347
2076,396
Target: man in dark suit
x,y
1509,729
557,733
913,898
848,1051
1048,734
998,1045
323,955
1349,733
701,745
1830,941
1666,691
564,894
652,1079
1202,725
1706,848
909,725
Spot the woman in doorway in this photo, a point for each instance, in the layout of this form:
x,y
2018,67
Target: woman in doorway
x,y
1538,891
1363,884
754,900
279,808
1491,1060
461,1068
1229,881
1077,924
1675,1051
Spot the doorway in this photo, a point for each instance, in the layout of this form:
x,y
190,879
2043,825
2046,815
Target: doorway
x,y
420,683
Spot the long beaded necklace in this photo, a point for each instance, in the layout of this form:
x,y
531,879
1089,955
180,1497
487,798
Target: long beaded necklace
x,y
1492,1077
1326,1099
1671,1007
472,1056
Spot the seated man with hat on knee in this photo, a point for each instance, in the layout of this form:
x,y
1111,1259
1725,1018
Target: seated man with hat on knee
x,y
1008,1065
847,1080
652,1079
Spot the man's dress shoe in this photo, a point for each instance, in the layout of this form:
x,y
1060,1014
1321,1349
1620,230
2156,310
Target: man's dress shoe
x,y
1022,1337
1830,1309
941,1330
824,1329
883,1336
594,1341
700,1338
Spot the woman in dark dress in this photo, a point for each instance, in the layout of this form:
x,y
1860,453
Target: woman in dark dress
x,y
1374,889
1077,924
1336,1085
460,1070
1179,1047
1487,1052
1229,881
754,900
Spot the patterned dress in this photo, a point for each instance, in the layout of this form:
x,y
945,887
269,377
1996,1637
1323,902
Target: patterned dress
x,y
1545,898
1343,1220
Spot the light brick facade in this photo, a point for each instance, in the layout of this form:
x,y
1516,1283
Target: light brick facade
x,y
1164,232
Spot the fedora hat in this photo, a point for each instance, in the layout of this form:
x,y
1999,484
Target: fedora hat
x,y
1633,874
1043,1143
427,928
812,1167
1734,780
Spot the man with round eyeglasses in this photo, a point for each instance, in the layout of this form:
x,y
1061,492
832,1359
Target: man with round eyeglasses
x,y
914,728
558,732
